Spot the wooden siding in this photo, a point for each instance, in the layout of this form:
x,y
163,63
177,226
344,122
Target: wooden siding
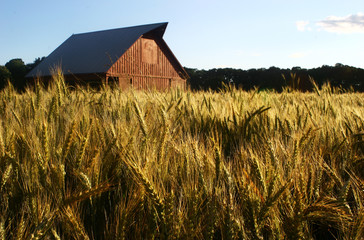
x,y
145,65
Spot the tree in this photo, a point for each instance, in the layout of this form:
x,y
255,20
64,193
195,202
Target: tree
x,y
18,70
5,76
338,75
30,66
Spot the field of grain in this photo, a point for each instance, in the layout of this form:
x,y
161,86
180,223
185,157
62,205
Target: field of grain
x,y
110,164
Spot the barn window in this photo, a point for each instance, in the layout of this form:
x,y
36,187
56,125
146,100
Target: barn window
x,y
149,51
131,81
170,82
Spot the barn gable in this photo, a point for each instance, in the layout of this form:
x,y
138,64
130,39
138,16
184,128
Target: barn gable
x,y
139,52
148,63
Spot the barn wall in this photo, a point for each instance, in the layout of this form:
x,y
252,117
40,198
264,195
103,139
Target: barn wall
x,y
145,66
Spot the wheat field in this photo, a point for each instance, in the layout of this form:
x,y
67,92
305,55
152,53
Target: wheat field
x,y
112,164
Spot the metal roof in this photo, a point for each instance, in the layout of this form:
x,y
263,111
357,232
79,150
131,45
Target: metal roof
x,y
94,52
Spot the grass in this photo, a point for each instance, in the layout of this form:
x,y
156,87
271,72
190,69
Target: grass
x,y
111,164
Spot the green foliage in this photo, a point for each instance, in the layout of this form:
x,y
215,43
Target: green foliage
x,y
273,78
18,70
180,165
5,76
14,72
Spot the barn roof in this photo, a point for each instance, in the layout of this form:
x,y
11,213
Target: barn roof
x,y
94,52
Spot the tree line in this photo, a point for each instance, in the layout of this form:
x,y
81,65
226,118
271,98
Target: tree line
x,y
273,78
14,72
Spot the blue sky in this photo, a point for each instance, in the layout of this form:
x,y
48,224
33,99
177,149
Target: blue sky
x,y
203,34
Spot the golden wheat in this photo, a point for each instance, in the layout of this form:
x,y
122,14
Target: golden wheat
x,y
86,164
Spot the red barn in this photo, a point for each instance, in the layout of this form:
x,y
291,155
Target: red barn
x,y
132,56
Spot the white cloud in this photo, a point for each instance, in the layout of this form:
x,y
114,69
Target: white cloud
x,y
302,25
353,23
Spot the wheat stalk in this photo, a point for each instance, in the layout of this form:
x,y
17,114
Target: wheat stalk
x,y
2,145
143,126
45,143
20,229
160,149
2,228
6,176
69,139
73,224
43,227
55,234
87,194
82,151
